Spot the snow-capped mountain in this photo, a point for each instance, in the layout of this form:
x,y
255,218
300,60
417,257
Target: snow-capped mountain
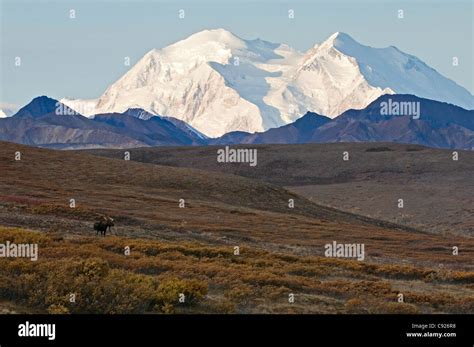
x,y
7,110
218,83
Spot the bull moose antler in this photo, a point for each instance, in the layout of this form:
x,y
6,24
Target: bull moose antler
x,y
104,224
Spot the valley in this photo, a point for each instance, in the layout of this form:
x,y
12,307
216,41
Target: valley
x,y
435,188
181,214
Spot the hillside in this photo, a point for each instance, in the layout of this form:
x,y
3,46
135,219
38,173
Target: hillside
x,y
191,249
436,190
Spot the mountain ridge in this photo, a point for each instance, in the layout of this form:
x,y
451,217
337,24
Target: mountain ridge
x,y
436,124
45,122
440,125
218,83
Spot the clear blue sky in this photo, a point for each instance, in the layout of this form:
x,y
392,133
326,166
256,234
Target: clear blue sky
x,y
79,58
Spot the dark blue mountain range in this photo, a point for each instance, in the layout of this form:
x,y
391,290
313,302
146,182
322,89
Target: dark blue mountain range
x,y
45,122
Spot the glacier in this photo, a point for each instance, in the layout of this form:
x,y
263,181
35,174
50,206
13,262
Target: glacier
x,y
218,82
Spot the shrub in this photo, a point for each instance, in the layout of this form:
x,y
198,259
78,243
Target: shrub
x,y
240,293
396,308
170,289
57,309
355,306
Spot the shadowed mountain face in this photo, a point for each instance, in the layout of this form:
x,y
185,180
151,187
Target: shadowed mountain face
x,y
154,131
39,124
437,124
45,122
39,106
301,131
391,118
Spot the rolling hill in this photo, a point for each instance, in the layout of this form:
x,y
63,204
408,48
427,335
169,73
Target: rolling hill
x,y
192,249
436,189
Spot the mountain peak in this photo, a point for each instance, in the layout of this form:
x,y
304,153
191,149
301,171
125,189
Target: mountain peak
x,y
216,31
340,36
43,100
43,105
207,36
216,45
337,40
39,106
218,82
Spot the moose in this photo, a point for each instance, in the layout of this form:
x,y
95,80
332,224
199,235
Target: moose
x,y
104,224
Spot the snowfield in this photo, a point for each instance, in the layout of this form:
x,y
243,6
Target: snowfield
x,y
217,82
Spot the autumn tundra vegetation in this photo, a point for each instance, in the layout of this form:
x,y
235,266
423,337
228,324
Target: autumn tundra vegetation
x,y
214,280
234,246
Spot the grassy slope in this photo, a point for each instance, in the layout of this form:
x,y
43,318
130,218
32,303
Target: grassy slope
x,y
280,247
437,191
104,279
